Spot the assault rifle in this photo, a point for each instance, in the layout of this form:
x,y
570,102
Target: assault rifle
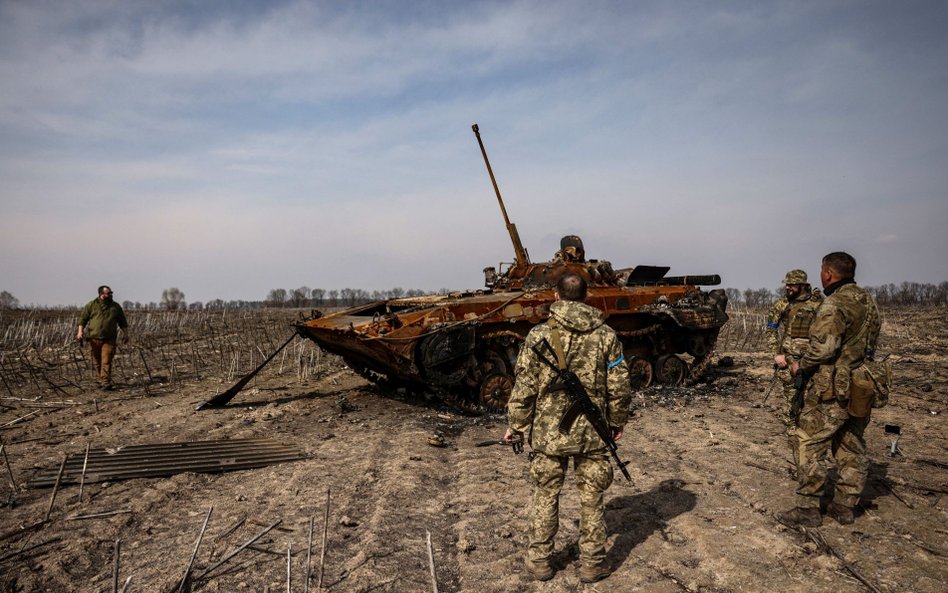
x,y
799,384
579,403
773,383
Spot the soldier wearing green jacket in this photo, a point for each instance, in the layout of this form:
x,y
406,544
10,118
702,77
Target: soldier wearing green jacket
x,y
834,417
592,351
100,322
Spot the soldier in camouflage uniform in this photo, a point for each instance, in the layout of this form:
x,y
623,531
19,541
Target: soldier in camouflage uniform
x,y
842,337
571,250
788,330
592,351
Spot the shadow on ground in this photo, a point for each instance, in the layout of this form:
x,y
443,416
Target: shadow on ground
x,y
632,519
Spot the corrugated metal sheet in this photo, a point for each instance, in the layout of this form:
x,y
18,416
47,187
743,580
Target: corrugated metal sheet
x,y
167,459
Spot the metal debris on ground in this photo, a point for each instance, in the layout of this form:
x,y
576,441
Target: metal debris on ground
x,y
168,459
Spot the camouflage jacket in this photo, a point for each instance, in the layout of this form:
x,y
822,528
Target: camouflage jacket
x,y
845,330
593,351
103,319
774,318
795,318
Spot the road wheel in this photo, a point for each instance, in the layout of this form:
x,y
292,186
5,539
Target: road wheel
x,y
670,369
641,372
495,391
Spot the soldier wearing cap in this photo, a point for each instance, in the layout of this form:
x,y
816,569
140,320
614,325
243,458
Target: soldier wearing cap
x,y
788,330
571,250
835,410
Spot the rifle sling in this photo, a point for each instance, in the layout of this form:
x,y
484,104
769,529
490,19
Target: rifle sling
x,y
558,345
575,410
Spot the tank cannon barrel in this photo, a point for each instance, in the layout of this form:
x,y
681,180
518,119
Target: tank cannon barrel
x,y
520,254
702,280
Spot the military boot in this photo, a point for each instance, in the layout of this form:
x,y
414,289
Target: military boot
x,y
801,517
539,570
591,574
842,513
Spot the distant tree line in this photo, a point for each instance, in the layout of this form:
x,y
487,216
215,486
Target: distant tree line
x,y
347,297
173,299
910,293
905,294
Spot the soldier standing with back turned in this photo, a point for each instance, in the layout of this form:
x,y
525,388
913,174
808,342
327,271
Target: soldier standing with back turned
x,y
788,331
835,415
594,353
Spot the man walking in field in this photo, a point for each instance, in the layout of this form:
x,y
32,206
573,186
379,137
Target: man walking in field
x,y
836,408
100,322
788,334
594,353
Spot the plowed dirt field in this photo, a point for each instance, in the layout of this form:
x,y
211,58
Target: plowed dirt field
x,y
710,469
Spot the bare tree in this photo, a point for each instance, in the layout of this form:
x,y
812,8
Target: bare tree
x,y
348,297
733,295
172,299
317,294
277,297
760,297
299,296
8,301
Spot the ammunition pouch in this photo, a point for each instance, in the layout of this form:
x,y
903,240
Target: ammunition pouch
x,y
824,383
870,383
869,387
862,391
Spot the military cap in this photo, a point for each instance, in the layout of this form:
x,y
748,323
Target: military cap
x,y
571,241
795,277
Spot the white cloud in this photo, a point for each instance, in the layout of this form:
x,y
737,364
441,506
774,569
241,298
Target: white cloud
x,y
324,144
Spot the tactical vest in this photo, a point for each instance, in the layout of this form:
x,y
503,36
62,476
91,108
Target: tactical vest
x,y
800,315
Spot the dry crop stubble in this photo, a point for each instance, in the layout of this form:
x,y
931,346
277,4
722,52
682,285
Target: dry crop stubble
x,y
710,467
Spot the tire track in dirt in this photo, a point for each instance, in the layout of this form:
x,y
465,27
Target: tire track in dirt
x,y
399,487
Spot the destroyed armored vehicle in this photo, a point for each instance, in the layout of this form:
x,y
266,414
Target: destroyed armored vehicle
x,y
466,343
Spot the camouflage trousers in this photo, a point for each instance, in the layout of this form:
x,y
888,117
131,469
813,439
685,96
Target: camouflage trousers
x,y
786,382
789,392
593,476
825,427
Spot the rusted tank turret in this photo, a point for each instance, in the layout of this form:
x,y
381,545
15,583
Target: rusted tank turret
x,y
466,343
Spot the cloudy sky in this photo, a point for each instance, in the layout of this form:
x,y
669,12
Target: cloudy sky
x,y
228,148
